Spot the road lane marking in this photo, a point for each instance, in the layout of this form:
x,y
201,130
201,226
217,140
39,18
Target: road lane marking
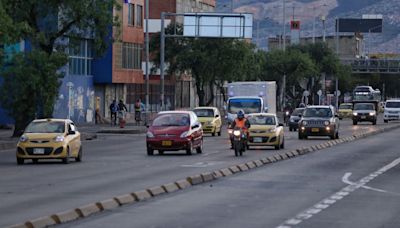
x,y
345,179
318,207
203,164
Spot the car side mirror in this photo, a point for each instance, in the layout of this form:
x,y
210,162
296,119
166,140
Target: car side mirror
x,y
71,132
300,115
224,107
216,116
265,109
336,115
195,126
147,126
280,125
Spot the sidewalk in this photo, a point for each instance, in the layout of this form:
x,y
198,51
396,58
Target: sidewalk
x,y
88,132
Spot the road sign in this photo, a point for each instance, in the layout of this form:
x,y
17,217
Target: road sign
x,y
338,93
295,25
319,92
306,93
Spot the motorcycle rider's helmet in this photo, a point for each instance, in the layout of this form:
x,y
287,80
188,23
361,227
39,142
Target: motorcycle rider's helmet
x,y
240,114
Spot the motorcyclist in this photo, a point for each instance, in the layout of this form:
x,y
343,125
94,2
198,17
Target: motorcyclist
x,y
240,122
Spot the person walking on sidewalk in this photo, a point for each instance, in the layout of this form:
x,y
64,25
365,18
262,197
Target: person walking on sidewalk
x,y
121,113
113,111
139,107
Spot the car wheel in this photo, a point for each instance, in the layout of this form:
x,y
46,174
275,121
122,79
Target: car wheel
x,y
66,159
150,151
337,135
220,131
385,121
277,147
283,144
35,160
20,161
374,122
190,149
199,149
160,152
79,157
290,129
213,134
301,136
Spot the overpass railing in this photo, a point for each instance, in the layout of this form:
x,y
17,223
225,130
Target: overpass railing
x,y
367,66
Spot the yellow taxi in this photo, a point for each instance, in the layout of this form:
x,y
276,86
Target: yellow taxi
x,y
50,139
265,130
345,110
210,119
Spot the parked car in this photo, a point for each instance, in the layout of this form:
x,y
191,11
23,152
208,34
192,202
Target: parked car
x,y
345,110
319,121
294,119
173,131
265,130
391,111
210,120
50,139
364,112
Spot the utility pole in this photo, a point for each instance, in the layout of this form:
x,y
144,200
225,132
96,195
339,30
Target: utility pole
x,y
147,63
323,27
313,27
284,49
162,58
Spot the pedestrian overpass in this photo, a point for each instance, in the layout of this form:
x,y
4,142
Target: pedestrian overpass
x,y
369,66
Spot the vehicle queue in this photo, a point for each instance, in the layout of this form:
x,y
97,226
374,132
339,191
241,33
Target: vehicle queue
x,y
185,130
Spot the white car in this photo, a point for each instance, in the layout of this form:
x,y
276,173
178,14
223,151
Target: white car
x,y
391,111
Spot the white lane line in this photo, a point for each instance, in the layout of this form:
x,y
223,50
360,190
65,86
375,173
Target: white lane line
x,y
345,179
318,207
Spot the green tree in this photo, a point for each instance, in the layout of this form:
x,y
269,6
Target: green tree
x,y
31,79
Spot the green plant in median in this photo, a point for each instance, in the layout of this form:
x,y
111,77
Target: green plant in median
x,y
31,79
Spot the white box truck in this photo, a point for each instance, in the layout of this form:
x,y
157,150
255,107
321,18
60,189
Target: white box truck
x,y
251,97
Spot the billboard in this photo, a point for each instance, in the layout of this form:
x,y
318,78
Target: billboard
x,y
359,25
218,25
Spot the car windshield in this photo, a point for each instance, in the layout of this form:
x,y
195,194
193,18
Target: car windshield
x,y
247,105
318,112
204,112
391,104
176,119
46,127
298,111
363,107
262,120
345,106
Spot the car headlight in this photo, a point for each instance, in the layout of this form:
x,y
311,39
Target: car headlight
x,y
372,113
23,138
304,123
287,113
230,131
355,114
59,138
209,123
149,135
236,133
272,130
185,134
326,123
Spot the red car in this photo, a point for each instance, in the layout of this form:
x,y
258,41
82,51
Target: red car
x,y
173,131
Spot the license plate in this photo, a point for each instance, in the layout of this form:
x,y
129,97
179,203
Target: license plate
x,y
38,151
257,139
167,143
363,117
314,129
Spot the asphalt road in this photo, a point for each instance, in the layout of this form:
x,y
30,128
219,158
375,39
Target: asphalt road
x,y
114,165
350,185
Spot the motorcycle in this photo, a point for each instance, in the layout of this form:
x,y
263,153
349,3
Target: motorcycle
x,y
286,117
238,141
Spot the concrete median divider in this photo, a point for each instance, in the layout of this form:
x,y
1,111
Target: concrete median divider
x,y
141,195
41,222
182,184
109,204
87,210
65,216
170,187
195,179
125,199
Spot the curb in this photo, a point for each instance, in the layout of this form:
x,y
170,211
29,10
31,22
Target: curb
x,y
121,131
118,201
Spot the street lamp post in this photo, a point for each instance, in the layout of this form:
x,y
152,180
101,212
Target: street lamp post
x,y
147,63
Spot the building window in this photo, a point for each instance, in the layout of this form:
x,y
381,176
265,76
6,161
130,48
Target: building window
x,y
139,15
131,14
80,58
132,56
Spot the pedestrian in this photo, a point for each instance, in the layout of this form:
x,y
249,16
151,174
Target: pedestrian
x,y
121,113
113,111
138,111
